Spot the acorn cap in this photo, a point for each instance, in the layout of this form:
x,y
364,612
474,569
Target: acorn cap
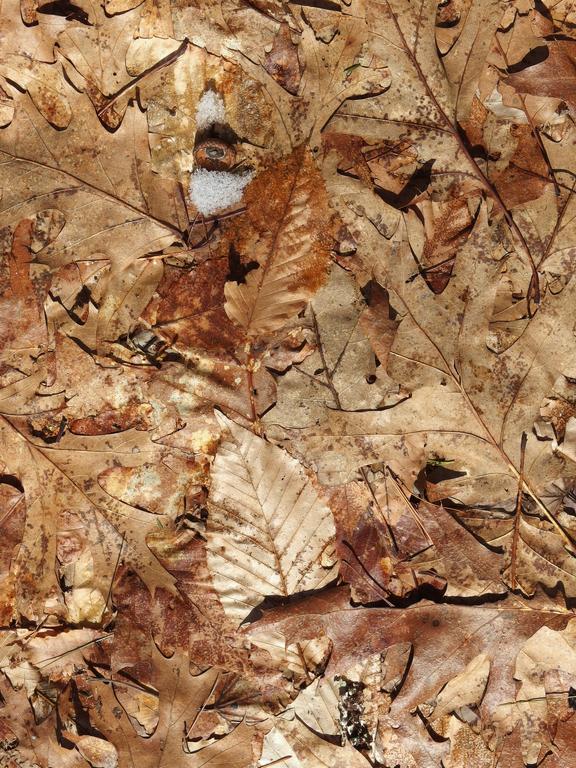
x,y
214,155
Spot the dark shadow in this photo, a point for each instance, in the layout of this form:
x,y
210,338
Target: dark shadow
x,y
237,270
66,9
535,56
417,184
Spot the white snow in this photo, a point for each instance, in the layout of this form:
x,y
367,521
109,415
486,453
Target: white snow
x,y
209,110
211,191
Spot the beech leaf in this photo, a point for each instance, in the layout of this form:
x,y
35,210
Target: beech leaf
x,y
269,531
288,208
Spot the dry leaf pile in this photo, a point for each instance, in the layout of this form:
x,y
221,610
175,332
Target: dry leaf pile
x,y
288,384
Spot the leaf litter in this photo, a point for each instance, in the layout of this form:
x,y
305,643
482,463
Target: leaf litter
x,y
287,400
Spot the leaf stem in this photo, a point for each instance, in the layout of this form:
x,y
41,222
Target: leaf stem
x,y
517,513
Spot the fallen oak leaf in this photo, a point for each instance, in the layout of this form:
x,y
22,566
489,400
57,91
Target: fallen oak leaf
x,y
44,169
291,745
554,76
24,333
57,654
236,748
461,693
469,567
341,369
436,231
68,470
94,58
478,398
45,85
445,638
533,702
182,698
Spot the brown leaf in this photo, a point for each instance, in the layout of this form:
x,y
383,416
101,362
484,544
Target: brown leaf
x,y
469,568
383,322
445,228
525,177
281,62
553,76
288,209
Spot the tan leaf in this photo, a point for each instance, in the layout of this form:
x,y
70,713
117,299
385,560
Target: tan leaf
x,y
342,370
99,753
292,745
317,707
269,531
236,746
462,692
45,85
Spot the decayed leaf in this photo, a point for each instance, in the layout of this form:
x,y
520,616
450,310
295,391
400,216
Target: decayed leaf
x,y
270,535
288,211
446,640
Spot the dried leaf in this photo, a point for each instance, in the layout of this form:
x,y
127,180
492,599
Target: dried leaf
x,y
287,399
288,210
270,535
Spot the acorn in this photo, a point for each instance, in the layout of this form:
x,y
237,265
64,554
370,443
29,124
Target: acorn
x,y
214,155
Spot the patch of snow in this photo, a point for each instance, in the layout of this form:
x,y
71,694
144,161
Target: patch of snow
x,y
211,191
209,110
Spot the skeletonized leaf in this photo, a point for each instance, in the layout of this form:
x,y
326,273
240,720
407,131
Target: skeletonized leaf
x,y
269,531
